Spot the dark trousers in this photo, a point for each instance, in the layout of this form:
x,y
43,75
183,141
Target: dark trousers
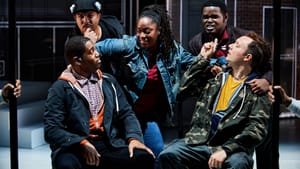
x,y
179,155
111,158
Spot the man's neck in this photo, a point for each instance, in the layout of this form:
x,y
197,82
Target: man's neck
x,y
211,36
208,37
240,73
80,72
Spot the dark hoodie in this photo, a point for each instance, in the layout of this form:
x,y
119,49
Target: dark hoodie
x,y
66,117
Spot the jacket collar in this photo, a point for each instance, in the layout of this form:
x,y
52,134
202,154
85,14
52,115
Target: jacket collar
x,y
70,75
251,76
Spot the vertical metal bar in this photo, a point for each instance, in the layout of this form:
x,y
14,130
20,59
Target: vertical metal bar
x,y
123,14
130,17
235,13
54,52
12,78
18,52
276,81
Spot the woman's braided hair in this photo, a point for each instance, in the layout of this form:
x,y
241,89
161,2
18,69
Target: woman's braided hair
x,y
160,16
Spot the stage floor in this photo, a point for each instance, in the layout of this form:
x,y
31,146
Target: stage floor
x,y
289,150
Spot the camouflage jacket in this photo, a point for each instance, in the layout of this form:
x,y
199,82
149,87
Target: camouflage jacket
x,y
246,118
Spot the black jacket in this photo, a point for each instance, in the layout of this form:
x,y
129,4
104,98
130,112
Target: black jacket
x,y
67,114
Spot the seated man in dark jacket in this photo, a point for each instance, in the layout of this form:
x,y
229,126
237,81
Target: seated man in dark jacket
x,y
88,121
215,24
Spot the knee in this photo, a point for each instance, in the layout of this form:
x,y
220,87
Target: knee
x,y
67,161
153,138
239,160
157,149
143,159
166,160
66,165
166,156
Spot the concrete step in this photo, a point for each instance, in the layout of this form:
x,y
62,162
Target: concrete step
x,y
30,128
31,136
28,137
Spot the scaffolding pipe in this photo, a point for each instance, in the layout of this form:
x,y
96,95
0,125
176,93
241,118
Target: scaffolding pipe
x,y
12,55
276,81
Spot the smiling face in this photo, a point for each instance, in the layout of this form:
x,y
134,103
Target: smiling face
x,y
147,33
213,20
87,19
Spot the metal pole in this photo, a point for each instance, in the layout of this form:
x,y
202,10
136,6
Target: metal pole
x,y
276,81
12,53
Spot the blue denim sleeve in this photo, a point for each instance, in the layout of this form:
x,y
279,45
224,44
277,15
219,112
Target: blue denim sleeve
x,y
109,47
186,58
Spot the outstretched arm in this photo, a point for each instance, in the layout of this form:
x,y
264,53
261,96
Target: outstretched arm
x,y
291,103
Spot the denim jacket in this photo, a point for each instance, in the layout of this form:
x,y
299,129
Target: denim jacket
x,y
133,63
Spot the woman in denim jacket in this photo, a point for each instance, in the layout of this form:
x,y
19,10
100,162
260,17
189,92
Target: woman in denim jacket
x,y
150,66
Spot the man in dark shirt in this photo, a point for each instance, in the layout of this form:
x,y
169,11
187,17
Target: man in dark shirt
x,y
91,23
214,22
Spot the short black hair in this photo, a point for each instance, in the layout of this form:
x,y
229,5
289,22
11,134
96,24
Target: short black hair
x,y
216,3
75,46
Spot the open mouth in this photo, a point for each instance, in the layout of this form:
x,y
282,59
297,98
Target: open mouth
x,y
144,41
210,28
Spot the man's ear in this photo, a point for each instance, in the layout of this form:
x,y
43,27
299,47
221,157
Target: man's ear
x,y
248,57
226,18
77,59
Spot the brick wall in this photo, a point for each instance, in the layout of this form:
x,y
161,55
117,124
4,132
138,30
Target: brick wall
x,y
249,16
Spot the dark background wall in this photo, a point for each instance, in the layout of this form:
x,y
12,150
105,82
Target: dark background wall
x,y
44,24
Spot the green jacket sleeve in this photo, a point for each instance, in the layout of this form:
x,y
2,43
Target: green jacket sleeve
x,y
194,79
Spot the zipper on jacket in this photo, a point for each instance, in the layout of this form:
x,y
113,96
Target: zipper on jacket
x,y
238,112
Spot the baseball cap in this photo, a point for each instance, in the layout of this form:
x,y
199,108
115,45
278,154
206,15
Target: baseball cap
x,y
85,5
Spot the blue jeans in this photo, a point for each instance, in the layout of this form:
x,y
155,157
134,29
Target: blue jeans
x,y
153,139
179,155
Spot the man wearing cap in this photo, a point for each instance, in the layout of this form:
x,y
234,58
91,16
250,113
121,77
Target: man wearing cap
x,y
92,24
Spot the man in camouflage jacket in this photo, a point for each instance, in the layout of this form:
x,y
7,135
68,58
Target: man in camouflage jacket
x,y
223,137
